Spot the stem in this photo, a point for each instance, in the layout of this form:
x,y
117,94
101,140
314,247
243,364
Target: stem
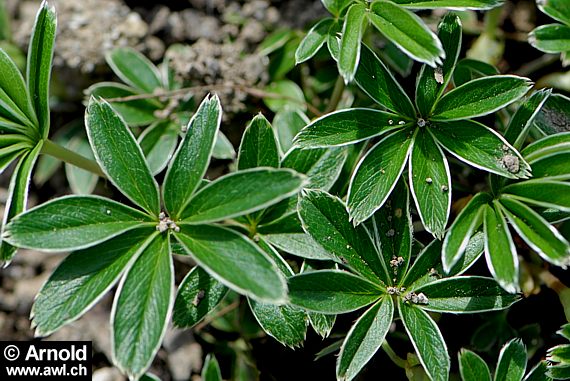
x,y
492,20
336,95
249,90
70,157
393,356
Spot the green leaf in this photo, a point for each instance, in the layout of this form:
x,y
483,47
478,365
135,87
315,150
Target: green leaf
x,y
258,145
347,127
332,291
313,41
559,372
559,353
426,260
322,166
192,157
469,69
274,41
211,370
374,78
462,229
549,194
512,361
538,373
354,25
523,119
82,279
234,261
449,4
241,193
71,223
80,180
38,68
142,307
284,93
481,147
324,217
430,181
134,69
17,198
551,38
336,6
158,143
557,9
322,324
12,84
287,123
537,232
391,228
500,251
138,112
364,339
427,341
298,244
554,116
407,31
286,324
480,97
223,148
472,367
377,174
119,155
433,82
554,167
198,294
149,377
465,295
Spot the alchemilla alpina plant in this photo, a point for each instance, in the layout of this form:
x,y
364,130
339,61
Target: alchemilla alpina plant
x,y
361,212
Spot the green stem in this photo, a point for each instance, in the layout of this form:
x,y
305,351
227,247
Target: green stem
x,y
393,356
63,154
492,20
336,94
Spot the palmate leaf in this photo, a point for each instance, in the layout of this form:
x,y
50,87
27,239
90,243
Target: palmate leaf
x,y
546,193
364,339
287,324
83,278
557,9
468,69
512,362
313,41
322,166
481,147
345,127
13,86
472,367
142,307
325,219
374,78
158,143
427,341
523,119
462,229
234,261
551,38
352,31
192,157
134,69
391,229
466,294
449,4
377,173
428,87
480,97
500,251
430,182
555,115
17,198
241,193
336,6
258,146
119,155
537,232
332,291
211,370
407,31
38,68
73,222
198,294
